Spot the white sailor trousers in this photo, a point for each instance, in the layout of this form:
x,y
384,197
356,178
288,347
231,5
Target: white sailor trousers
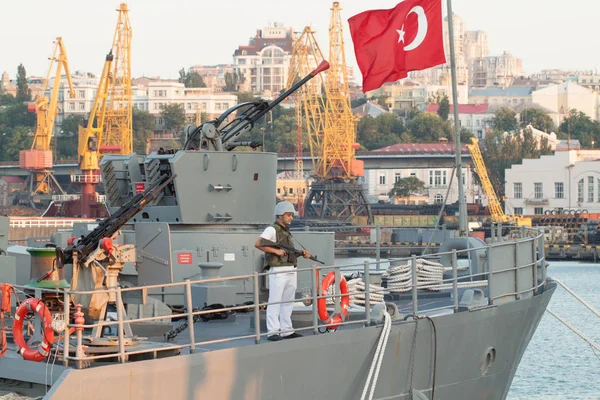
x,y
282,287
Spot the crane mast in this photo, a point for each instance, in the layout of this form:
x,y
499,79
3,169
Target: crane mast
x,y
337,194
118,137
109,125
306,56
38,160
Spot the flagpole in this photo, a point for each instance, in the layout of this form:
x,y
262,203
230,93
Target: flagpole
x,y
462,206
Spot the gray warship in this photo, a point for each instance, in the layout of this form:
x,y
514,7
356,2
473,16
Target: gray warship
x,y
165,298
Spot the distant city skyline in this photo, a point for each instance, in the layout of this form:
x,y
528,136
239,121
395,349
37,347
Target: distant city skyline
x,y
170,35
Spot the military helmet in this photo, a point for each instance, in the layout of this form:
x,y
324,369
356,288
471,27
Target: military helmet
x,y
285,207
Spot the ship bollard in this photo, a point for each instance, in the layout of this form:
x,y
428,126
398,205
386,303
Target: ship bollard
x,y
414,285
79,320
455,279
367,280
256,309
190,315
67,311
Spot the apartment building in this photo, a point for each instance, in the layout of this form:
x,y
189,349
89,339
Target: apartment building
x,y
493,71
565,179
263,64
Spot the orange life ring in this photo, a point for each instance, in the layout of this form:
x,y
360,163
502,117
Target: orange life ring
x,y
29,306
335,321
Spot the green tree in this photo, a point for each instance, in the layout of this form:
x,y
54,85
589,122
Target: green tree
x,y
381,131
246,97
581,127
444,108
505,120
405,187
231,82
173,116
501,151
428,128
191,79
143,130
23,91
358,102
67,138
465,135
538,119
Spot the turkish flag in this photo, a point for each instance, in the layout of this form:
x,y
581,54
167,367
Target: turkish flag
x,y
390,43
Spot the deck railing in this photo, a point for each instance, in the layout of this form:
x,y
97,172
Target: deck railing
x,y
515,278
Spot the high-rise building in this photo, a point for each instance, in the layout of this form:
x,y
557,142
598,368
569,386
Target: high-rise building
x,y
262,66
495,70
465,44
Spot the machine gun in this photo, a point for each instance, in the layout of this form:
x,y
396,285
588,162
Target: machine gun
x,y
265,242
89,243
212,136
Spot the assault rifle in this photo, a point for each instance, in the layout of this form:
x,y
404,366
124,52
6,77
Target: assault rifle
x,y
87,244
265,242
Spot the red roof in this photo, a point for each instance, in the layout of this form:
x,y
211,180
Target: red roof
x,y
462,108
422,148
12,179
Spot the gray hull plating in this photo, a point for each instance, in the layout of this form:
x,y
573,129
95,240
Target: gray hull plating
x,y
477,356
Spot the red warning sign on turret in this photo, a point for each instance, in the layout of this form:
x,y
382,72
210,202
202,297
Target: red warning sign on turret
x,y
184,258
140,187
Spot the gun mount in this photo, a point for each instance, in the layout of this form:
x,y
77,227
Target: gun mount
x,y
220,134
90,243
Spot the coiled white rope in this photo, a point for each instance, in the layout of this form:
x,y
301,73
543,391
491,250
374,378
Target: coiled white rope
x,y
430,274
356,290
378,358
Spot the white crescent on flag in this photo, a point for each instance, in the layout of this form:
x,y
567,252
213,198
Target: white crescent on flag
x,y
421,32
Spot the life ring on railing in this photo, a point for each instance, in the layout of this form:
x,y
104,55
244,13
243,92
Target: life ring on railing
x,y
335,321
29,306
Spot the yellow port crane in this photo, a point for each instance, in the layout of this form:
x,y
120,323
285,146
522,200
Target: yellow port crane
x,y
336,194
494,205
109,125
38,160
310,106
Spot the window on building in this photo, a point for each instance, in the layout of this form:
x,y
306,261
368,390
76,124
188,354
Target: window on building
x,y
438,199
413,174
580,191
518,210
437,178
477,122
71,106
382,179
81,94
278,190
590,189
538,210
397,177
538,190
559,190
81,106
598,190
291,190
518,190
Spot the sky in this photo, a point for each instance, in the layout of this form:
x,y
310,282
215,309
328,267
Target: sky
x,y
169,35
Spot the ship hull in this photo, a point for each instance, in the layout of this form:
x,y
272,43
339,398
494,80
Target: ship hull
x,y
335,365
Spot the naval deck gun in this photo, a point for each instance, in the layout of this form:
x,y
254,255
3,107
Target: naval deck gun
x,y
211,213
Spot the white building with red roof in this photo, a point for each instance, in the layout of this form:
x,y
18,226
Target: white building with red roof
x,y
379,182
